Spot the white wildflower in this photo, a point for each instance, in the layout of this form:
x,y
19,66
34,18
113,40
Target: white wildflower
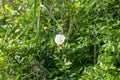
x,y
59,39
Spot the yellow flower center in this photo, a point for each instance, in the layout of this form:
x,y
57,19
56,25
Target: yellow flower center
x,y
60,40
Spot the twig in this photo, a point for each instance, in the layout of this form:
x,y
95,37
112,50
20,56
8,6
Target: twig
x,y
95,35
16,8
51,7
11,56
39,17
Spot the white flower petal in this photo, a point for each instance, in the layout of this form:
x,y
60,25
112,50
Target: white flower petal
x,y
59,39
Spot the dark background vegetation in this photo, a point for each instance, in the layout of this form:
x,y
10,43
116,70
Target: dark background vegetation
x,y
91,50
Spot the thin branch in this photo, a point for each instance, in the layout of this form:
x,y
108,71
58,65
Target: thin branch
x,y
95,35
40,12
15,7
52,6
11,56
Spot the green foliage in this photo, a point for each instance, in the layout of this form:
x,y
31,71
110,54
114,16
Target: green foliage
x,y
91,50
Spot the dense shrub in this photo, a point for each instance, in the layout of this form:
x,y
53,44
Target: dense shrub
x,y
91,49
